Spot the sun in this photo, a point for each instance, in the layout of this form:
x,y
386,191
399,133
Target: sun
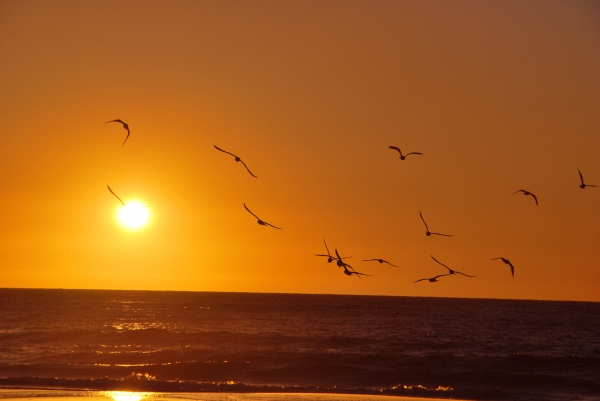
x,y
133,216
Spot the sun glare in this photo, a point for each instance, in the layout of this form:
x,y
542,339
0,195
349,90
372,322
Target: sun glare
x,y
125,395
133,216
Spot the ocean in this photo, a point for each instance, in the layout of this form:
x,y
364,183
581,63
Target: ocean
x,y
160,341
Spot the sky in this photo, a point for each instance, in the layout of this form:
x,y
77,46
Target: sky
x,y
498,96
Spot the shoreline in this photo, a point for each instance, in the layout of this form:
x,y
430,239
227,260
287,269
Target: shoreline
x,y
64,394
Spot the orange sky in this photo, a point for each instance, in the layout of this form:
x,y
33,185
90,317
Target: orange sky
x,y
498,95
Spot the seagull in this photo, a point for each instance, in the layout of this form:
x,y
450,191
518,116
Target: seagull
x,y
402,157
449,269
427,233
506,261
237,159
124,126
433,279
329,257
582,186
111,191
262,223
379,260
527,193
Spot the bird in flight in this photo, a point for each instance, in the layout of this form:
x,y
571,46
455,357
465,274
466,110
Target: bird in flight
x,y
115,195
433,279
427,233
357,274
262,223
450,271
237,159
341,263
378,260
402,157
582,186
506,261
528,193
124,126
328,256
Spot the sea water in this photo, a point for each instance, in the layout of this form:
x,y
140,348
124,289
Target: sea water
x,y
162,341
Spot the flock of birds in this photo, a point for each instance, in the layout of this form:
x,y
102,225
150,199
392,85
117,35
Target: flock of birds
x,y
349,270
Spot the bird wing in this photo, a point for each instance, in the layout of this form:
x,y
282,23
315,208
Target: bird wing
x,y
534,197
495,258
224,151
423,221
580,176
440,264
328,253
512,270
398,149
420,280
271,225
385,261
441,275
414,153
115,121
111,191
520,190
370,260
248,169
445,235
463,274
250,212
127,137
362,274
338,255
327,256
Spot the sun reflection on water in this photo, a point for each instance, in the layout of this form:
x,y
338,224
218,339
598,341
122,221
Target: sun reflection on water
x,y
126,395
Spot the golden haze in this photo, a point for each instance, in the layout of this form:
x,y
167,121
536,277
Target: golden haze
x,y
499,96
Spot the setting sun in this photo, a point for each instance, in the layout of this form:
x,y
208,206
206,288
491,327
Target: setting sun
x,y
134,215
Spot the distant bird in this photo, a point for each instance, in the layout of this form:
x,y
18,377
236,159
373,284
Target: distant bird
x,y
506,261
357,274
378,260
402,157
237,159
527,193
427,233
124,126
582,186
262,223
433,279
341,263
115,195
450,271
328,256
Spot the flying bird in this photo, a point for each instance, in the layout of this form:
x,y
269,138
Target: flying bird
x,y
506,261
402,157
582,186
237,159
341,263
378,260
115,195
528,193
450,271
262,223
357,274
433,279
427,233
328,256
124,126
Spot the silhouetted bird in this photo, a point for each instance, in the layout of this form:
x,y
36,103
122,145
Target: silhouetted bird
x,y
328,256
357,274
124,126
427,233
341,263
115,195
582,186
433,279
449,269
262,223
506,261
402,157
527,193
237,159
378,260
